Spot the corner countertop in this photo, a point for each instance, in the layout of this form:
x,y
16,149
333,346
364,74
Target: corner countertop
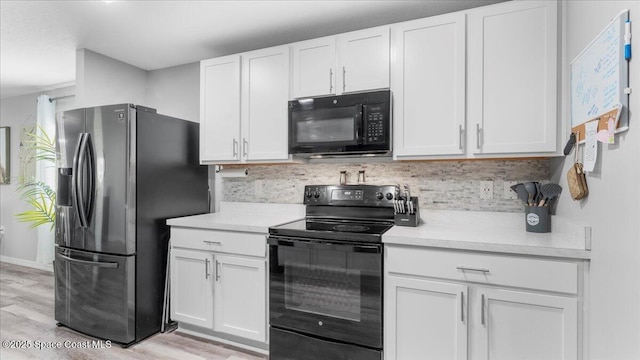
x,y
244,217
493,232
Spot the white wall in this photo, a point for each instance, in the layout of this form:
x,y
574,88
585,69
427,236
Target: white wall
x,y
613,206
175,91
19,241
101,80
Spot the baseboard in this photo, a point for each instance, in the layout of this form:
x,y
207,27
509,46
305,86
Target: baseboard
x,y
222,341
27,263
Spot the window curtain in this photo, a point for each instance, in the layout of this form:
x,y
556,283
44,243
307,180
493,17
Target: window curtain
x,y
46,172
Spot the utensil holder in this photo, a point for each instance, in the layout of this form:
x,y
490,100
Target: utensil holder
x,y
537,219
407,219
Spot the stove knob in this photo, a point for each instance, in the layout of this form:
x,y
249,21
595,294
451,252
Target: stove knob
x,y
309,194
380,195
316,194
389,196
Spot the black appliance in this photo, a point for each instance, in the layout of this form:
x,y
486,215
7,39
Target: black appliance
x,y
354,124
122,171
325,275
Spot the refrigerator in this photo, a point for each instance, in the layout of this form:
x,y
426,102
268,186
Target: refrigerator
x,y
122,171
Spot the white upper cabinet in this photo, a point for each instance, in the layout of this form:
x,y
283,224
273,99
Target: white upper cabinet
x,y
428,85
265,93
243,107
314,67
363,60
512,64
351,62
220,109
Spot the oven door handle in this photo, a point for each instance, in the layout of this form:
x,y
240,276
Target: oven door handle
x,y
373,249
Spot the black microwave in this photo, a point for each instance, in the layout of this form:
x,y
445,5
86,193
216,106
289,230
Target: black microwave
x,y
353,124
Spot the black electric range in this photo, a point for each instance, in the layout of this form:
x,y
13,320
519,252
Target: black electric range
x,y
356,213
326,272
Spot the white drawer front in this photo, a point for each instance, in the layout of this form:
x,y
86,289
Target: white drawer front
x,y
219,241
493,269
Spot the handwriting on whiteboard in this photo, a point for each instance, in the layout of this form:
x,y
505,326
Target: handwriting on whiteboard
x,y
595,76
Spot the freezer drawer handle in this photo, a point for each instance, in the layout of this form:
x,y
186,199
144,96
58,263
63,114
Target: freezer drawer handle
x,y
113,265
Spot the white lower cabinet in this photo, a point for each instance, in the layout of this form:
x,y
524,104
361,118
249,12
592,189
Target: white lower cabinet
x,y
424,319
239,297
191,287
524,325
448,304
219,282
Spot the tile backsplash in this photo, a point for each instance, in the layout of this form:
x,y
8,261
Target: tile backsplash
x,y
440,185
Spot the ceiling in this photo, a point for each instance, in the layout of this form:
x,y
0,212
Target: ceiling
x,y
38,39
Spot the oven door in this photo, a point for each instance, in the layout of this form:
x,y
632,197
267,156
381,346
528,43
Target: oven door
x,y
330,290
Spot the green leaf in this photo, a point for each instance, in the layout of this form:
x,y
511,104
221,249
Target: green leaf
x,y
39,196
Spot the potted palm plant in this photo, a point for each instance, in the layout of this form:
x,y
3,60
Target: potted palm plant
x,y
40,197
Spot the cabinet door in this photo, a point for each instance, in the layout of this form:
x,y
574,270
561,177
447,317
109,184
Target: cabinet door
x,y
240,301
363,60
513,77
220,109
520,325
314,67
424,319
428,84
265,95
192,287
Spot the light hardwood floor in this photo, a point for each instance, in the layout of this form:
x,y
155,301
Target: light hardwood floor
x,y
27,314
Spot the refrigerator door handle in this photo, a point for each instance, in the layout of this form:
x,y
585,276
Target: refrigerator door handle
x,y
76,180
80,181
113,265
91,174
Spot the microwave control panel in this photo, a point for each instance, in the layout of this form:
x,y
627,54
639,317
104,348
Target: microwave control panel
x,y
374,124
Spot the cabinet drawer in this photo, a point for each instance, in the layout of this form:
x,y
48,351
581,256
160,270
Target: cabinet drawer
x,y
220,241
492,269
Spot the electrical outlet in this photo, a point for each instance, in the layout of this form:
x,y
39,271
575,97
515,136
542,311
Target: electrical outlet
x,y
507,192
486,190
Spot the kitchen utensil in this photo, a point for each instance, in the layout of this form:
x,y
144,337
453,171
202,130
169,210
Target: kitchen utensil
x,y
407,195
531,191
549,191
538,196
521,191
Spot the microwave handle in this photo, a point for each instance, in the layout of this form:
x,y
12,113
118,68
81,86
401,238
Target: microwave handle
x,y
360,126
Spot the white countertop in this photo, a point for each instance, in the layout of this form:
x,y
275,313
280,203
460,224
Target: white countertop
x,y
465,230
493,232
245,217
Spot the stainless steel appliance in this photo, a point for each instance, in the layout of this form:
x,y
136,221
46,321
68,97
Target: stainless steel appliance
x,y
122,170
325,275
351,125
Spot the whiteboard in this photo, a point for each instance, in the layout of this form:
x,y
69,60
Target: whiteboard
x,y
600,75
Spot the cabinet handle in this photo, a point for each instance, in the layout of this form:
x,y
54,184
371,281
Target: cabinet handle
x,y
465,268
462,306
478,136
482,310
344,79
244,147
212,242
217,270
235,148
330,80
206,268
461,137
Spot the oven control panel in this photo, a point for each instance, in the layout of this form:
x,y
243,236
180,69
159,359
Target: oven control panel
x,y
352,195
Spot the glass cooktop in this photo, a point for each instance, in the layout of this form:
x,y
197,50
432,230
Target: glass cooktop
x,y
334,229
